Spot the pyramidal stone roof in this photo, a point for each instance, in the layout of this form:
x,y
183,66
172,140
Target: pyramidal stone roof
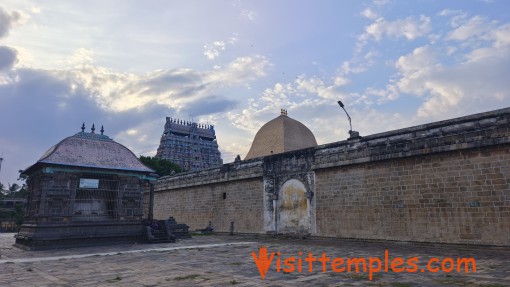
x,y
280,135
93,151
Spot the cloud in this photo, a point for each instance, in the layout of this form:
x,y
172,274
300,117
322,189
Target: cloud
x,y
8,57
318,111
7,21
240,70
475,27
175,88
249,15
309,97
209,105
47,105
81,57
410,28
369,13
216,48
475,83
212,51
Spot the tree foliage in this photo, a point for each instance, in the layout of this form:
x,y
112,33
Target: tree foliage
x,y
161,166
13,191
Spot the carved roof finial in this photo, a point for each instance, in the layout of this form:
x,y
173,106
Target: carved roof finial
x,y
102,129
93,128
283,112
83,127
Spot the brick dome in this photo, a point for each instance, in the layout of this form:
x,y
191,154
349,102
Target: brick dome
x,y
280,135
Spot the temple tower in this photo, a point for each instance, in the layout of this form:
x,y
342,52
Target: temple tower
x,y
190,145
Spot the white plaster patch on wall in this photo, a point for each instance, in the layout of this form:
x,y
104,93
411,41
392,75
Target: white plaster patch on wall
x,y
293,208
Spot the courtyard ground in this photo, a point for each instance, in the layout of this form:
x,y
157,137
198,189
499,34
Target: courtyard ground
x,y
222,260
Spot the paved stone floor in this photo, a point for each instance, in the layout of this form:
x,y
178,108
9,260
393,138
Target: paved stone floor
x,y
222,260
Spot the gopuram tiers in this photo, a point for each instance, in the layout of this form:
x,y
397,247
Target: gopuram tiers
x,y
190,145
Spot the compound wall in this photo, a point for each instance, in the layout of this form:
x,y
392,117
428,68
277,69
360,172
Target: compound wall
x,y
445,182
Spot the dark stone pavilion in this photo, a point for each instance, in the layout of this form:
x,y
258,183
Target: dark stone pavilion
x,y
84,190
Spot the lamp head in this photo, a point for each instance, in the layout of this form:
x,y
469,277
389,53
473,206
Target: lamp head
x,y
341,104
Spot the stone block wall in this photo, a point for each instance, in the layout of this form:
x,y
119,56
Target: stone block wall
x,y
446,182
452,197
239,201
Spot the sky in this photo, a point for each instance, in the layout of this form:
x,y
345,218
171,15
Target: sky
x,y
127,65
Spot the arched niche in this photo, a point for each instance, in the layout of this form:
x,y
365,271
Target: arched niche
x,y
293,208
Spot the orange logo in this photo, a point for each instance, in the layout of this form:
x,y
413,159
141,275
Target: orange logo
x,y
358,264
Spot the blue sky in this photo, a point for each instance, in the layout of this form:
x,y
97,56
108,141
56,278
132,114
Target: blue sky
x,y
129,64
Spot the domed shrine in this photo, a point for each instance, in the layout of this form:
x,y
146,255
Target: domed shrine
x,y
87,188
280,135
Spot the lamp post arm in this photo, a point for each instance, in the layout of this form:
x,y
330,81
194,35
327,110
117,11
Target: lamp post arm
x,y
349,117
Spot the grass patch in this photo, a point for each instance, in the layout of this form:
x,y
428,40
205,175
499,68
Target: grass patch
x,y
187,277
399,284
30,270
234,282
236,263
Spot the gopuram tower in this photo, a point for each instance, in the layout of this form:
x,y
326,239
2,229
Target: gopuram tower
x,y
190,145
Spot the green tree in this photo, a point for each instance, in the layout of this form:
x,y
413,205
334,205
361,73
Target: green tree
x,y
14,187
19,214
161,166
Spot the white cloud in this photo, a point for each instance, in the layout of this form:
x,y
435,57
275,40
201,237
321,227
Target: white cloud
x,y
248,15
420,61
321,114
35,10
369,13
241,70
478,83
216,48
176,89
501,36
410,28
475,27
341,81
211,51
308,99
350,67
80,57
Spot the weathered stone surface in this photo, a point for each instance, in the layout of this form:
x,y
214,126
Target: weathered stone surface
x,y
238,201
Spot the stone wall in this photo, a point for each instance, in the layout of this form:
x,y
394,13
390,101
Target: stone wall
x,y
452,197
446,181
237,201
